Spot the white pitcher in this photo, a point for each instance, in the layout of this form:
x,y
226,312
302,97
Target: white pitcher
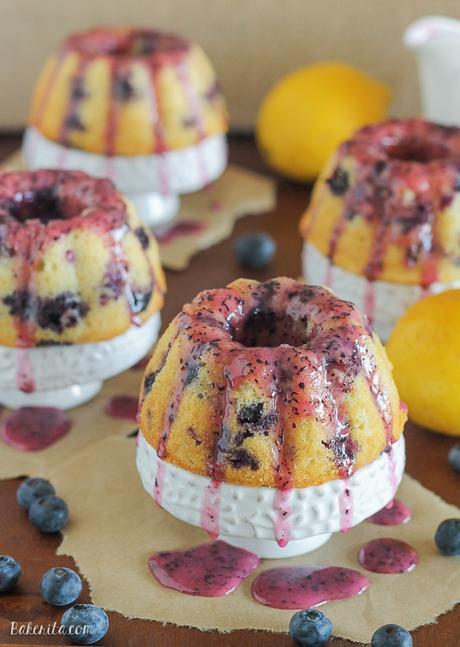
x,y
436,41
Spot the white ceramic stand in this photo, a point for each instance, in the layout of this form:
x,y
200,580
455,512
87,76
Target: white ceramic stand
x,y
268,549
152,182
246,515
67,376
155,209
390,300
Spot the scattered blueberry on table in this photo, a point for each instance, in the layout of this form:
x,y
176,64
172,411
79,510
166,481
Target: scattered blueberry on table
x,y
85,624
310,628
255,250
447,537
61,586
10,571
32,489
454,457
391,636
49,514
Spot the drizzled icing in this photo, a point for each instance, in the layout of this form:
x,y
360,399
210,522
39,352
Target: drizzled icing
x,y
404,174
127,51
36,210
302,349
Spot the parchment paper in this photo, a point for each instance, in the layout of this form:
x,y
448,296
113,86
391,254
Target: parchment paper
x,y
90,424
214,210
115,526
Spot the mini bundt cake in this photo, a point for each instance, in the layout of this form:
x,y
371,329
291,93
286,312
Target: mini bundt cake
x,y
76,265
273,384
120,91
383,224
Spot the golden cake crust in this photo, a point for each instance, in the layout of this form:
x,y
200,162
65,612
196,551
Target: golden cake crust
x,y
76,264
270,384
387,205
128,92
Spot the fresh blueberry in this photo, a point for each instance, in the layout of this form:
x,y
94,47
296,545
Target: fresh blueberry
x,y
10,572
49,514
391,636
85,624
310,628
32,489
454,457
255,250
60,586
447,537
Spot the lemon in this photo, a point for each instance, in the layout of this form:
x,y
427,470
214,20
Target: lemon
x,y
424,348
307,114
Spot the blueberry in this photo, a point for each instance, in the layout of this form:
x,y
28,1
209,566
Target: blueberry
x,y
310,628
391,636
60,586
255,250
454,457
338,182
49,514
32,489
85,624
447,537
10,572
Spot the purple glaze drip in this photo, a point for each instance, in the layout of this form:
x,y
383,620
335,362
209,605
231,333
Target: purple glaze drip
x,y
209,570
122,406
389,556
393,514
303,587
32,429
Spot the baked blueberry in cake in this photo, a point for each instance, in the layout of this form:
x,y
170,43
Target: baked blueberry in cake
x,y
383,225
273,384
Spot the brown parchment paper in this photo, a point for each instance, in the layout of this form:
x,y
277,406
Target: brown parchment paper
x,y
115,526
90,424
238,192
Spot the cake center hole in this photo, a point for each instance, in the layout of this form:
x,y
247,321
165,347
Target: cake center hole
x,y
417,151
42,205
268,328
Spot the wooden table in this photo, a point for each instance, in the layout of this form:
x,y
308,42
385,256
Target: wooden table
x,y
427,456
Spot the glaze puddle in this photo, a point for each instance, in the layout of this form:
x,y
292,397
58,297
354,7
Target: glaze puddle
x,y
389,556
302,587
208,570
185,228
123,407
31,429
394,514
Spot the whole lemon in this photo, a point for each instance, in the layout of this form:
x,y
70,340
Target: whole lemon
x,y
307,114
424,348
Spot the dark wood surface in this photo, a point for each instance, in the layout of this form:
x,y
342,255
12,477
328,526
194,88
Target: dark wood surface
x,y
427,458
